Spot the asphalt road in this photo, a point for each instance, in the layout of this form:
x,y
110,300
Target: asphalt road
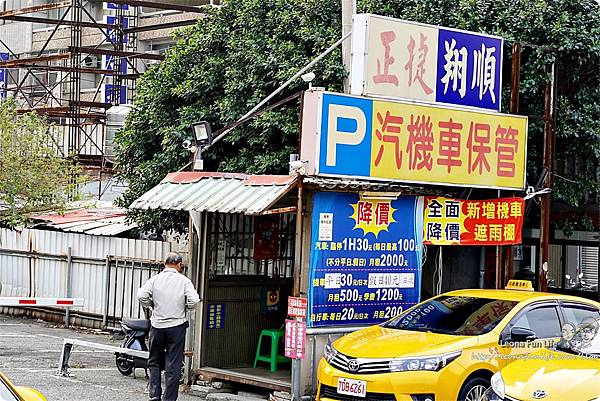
x,y
29,354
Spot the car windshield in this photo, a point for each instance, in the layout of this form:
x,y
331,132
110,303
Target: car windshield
x,y
5,393
582,338
456,315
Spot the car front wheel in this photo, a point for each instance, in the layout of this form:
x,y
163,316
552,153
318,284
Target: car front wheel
x,y
474,389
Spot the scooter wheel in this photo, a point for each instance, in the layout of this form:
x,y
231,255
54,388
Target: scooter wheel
x,y
124,366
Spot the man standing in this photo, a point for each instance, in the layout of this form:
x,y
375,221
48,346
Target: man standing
x,y
169,294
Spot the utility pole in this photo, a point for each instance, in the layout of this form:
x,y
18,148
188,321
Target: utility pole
x,y
348,10
515,87
548,162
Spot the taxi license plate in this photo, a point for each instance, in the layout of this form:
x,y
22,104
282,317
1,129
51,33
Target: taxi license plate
x,y
357,388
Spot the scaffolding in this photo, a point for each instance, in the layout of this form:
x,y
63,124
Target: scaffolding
x,y
79,125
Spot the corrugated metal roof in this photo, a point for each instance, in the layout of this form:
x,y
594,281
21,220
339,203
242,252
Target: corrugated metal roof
x,y
103,219
216,192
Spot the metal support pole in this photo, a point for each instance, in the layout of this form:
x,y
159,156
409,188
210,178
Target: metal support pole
x,y
106,292
548,162
297,363
296,377
515,86
348,10
193,274
63,363
69,283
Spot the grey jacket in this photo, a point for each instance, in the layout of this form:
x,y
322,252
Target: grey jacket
x,y
169,294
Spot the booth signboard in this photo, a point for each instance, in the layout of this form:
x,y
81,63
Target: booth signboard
x,y
473,222
295,339
3,76
358,137
297,307
370,270
216,316
405,59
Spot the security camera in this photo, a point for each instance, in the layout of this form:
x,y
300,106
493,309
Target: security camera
x,y
187,144
298,167
308,77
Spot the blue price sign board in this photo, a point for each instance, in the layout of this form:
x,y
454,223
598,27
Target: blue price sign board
x,y
3,76
365,259
216,316
409,60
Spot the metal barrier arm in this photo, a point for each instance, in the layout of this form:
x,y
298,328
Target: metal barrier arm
x,y
55,302
63,364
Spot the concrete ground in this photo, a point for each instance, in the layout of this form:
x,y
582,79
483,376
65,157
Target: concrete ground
x,y
29,354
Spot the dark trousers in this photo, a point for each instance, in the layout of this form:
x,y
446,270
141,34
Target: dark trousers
x,y
166,352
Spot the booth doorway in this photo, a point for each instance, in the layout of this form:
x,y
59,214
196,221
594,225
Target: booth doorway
x,y
250,262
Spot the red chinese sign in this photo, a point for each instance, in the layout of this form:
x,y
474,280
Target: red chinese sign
x,y
297,307
295,339
266,238
473,222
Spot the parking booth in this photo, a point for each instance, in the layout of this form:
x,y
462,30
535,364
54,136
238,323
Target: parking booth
x,y
242,262
248,255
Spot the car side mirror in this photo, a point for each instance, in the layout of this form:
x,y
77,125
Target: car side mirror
x,y
521,334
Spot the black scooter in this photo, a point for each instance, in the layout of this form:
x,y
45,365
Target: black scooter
x,y
136,331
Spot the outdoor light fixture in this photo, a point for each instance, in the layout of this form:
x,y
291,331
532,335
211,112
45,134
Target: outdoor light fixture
x,y
202,138
203,133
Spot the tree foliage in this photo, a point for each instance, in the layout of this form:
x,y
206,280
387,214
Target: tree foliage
x,y
225,64
33,177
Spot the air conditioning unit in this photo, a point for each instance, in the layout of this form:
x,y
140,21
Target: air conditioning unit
x,y
90,61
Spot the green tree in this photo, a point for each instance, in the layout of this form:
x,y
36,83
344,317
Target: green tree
x,y
33,177
229,61
218,70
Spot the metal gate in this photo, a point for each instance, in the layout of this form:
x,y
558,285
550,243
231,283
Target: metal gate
x,y
124,277
589,265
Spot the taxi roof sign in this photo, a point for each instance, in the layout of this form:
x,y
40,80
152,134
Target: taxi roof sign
x,y
521,285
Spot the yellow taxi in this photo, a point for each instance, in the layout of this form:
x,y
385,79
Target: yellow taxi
x,y
569,372
446,348
10,392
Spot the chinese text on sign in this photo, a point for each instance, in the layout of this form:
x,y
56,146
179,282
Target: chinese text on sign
x,y
398,141
473,222
403,59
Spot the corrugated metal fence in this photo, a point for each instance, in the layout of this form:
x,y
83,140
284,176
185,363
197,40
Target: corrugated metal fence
x,y
104,271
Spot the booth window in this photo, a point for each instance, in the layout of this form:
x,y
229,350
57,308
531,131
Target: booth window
x,y
241,245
